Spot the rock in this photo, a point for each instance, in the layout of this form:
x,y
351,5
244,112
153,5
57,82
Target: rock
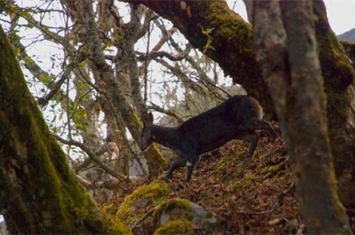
x,y
180,216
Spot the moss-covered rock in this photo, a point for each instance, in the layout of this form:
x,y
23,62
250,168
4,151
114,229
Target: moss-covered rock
x,y
141,200
184,213
179,226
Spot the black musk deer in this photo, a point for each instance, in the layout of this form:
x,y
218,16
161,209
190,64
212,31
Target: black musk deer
x,y
236,118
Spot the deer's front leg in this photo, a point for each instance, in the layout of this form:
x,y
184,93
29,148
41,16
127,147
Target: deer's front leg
x,y
177,164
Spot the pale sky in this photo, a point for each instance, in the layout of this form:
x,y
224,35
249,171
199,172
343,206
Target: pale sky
x,y
341,13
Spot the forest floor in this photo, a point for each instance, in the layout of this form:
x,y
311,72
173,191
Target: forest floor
x,y
247,196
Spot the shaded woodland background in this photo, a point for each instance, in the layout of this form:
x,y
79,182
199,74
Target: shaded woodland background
x,y
112,60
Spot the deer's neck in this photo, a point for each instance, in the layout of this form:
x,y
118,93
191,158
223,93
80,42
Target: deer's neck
x,y
164,135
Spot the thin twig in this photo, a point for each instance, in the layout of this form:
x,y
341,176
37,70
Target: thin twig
x,y
278,202
196,77
143,218
167,112
93,157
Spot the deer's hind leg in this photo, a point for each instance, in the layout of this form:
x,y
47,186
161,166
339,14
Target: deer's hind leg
x,y
191,166
252,138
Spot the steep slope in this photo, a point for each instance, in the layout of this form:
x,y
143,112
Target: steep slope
x,y
247,196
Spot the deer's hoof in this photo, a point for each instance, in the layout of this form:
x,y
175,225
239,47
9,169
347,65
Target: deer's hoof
x,y
167,178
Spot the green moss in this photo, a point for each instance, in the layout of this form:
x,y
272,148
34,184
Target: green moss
x,y
137,119
158,156
225,164
117,225
180,226
176,203
274,169
28,60
110,208
233,25
173,211
230,31
209,215
142,198
336,68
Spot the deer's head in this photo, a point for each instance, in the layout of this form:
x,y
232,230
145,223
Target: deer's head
x,y
146,135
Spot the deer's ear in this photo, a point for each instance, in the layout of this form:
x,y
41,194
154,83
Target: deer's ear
x,y
147,118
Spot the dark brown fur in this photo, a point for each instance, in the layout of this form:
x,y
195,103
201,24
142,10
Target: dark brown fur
x,y
236,118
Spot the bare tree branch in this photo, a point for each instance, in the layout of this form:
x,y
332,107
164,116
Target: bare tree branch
x,y
93,157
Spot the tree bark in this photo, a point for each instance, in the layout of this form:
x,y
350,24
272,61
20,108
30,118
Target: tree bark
x,y
39,193
287,49
338,75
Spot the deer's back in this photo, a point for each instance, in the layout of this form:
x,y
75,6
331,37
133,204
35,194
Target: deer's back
x,y
220,124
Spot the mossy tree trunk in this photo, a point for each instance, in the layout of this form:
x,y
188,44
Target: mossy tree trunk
x,y
287,49
339,84
38,192
225,37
